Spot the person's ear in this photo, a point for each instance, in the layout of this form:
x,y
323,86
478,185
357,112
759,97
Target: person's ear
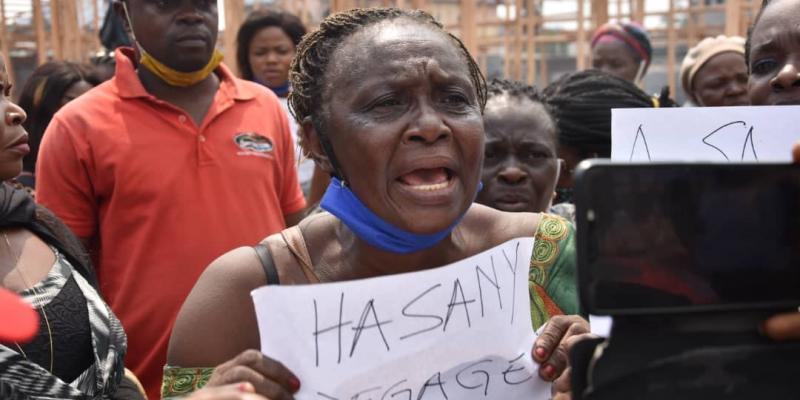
x,y
312,145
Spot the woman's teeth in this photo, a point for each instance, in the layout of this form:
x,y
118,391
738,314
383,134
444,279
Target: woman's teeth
x,y
430,188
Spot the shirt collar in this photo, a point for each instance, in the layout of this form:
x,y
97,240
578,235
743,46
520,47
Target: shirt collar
x,y
129,86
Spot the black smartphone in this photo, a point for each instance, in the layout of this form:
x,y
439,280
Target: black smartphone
x,y
661,238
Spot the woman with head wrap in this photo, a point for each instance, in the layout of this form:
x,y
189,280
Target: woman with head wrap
x,y
622,49
581,104
714,72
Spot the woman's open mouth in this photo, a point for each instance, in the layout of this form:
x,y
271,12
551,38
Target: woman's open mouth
x,y
427,179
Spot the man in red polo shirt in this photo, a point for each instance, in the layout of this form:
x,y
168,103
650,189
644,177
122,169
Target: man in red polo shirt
x,y
168,165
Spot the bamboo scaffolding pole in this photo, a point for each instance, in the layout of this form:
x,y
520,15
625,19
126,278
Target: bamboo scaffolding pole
x,y
234,16
41,35
518,39
671,43
531,39
581,39
4,44
467,25
507,57
55,28
733,16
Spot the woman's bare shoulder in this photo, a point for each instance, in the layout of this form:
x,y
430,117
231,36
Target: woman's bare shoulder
x,y
218,316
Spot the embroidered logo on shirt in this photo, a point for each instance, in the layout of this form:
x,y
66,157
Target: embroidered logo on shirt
x,y
253,144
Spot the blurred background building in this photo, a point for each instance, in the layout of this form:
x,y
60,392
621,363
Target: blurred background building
x,y
530,40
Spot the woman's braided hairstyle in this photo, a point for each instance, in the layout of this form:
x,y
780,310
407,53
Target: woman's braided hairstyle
x,y
519,90
582,103
314,53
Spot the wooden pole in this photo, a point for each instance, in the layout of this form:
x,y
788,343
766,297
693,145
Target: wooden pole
x,y
638,14
4,43
671,43
518,39
532,21
691,28
41,35
581,39
507,56
545,71
599,13
733,16
234,16
55,30
467,24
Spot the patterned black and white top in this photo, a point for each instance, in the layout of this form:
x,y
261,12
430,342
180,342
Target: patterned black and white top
x,y
23,378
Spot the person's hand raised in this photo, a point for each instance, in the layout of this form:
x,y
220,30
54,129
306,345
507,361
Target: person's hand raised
x,y
552,348
267,376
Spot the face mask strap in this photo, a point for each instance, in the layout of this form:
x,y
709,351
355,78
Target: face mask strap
x,y
130,23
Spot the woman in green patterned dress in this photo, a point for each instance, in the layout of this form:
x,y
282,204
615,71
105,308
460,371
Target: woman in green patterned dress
x,y
391,106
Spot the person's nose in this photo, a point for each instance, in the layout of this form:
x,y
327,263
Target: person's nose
x,y
512,175
428,128
787,77
15,115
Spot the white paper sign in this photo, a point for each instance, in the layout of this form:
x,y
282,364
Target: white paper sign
x,y
462,331
705,134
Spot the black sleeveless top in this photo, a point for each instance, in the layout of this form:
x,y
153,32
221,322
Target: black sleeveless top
x,y
68,318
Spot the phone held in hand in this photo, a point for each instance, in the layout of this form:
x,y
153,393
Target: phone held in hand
x,y
677,238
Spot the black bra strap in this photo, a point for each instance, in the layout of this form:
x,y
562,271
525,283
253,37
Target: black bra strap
x,y
267,264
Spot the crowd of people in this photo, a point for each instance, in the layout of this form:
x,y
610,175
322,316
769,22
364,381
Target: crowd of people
x,y
369,146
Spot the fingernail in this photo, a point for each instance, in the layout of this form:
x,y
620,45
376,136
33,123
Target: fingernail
x,y
246,387
540,352
294,384
549,371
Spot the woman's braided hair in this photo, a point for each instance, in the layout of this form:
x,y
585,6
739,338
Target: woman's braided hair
x,y
314,53
519,90
582,103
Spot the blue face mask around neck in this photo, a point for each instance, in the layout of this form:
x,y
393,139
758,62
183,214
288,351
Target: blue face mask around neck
x,y
340,201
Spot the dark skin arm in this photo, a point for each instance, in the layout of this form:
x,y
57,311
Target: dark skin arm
x,y
219,317
294,218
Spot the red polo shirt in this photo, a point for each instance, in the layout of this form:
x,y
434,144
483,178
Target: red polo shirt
x,y
164,196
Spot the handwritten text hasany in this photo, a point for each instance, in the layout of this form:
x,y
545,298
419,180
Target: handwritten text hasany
x,y
462,331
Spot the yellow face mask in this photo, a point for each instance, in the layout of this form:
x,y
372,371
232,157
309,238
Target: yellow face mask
x,y
169,75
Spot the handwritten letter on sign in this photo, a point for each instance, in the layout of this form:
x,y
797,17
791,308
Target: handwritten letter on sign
x,y
462,331
722,134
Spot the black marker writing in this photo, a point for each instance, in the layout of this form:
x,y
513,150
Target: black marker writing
x,y
368,309
485,378
338,327
430,383
747,144
513,268
512,369
357,395
407,391
478,273
457,290
436,317
640,134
